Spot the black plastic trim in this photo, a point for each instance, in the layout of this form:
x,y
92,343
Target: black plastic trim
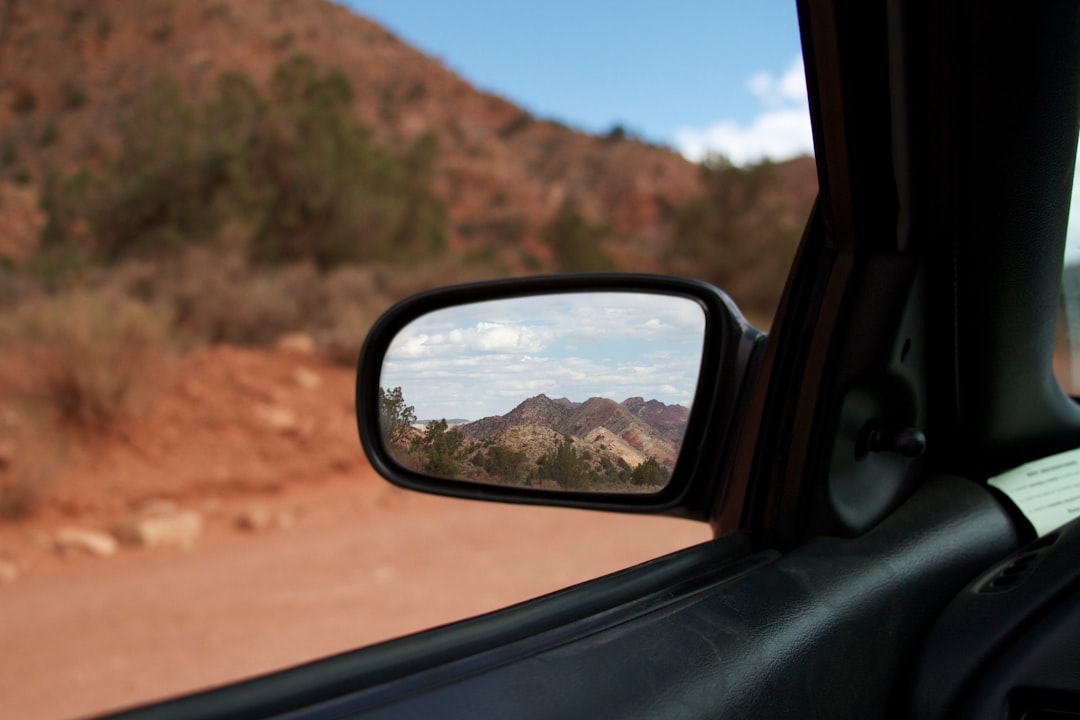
x,y
599,603
978,628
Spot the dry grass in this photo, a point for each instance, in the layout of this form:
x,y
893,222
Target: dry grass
x,y
214,296
32,452
89,354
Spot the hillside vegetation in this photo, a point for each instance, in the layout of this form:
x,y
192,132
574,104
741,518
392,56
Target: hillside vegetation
x,y
597,445
294,130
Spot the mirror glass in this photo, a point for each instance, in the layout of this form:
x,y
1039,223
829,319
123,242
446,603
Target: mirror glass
x,y
580,392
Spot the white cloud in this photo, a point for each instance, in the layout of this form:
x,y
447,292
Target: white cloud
x,y
496,337
483,359
786,90
780,131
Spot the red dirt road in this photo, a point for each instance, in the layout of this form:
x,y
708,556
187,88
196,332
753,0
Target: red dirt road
x,y
349,560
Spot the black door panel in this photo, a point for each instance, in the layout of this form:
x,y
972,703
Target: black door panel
x,y
1011,639
822,632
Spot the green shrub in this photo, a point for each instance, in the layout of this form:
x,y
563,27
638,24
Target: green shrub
x,y
616,133
336,197
441,447
395,417
75,16
74,97
575,242
49,134
564,466
159,192
218,10
283,41
294,164
515,125
416,92
650,473
9,155
25,102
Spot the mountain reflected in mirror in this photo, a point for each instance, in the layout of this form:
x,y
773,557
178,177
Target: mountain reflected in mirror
x,y
586,392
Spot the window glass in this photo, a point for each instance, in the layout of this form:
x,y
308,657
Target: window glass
x,y
196,233
1067,349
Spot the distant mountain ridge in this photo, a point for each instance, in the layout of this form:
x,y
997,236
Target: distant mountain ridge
x,y
650,429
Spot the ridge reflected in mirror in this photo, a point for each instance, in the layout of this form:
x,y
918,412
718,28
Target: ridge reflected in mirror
x,y
579,392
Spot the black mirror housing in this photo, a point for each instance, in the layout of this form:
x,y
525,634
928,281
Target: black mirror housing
x,y
729,351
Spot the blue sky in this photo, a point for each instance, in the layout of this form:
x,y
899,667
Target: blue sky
x,y
677,73
484,359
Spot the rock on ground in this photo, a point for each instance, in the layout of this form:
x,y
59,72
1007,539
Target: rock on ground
x,y
178,528
94,542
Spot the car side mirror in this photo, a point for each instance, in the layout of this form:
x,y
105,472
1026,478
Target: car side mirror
x,y
606,391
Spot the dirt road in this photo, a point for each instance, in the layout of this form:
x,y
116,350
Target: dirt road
x,y
105,633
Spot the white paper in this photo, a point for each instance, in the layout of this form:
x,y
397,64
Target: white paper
x,y
1046,491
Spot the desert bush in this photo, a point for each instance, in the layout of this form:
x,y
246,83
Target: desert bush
x,y
441,446
91,353
215,297
292,162
564,466
515,125
25,102
335,196
74,96
504,465
159,192
650,473
575,242
218,10
9,155
617,133
417,91
162,33
283,41
49,134
395,417
32,453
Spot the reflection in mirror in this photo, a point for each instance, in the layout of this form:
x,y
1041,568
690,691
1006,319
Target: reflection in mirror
x,y
586,392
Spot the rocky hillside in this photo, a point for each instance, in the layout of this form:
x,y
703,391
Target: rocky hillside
x,y
70,68
633,430
521,194
540,410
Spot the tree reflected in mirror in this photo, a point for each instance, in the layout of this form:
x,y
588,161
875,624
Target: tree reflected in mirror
x,y
579,392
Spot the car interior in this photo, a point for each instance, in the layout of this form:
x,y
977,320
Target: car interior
x,y
863,565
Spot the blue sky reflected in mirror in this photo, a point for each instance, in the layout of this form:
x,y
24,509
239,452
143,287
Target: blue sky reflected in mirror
x,y
483,359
